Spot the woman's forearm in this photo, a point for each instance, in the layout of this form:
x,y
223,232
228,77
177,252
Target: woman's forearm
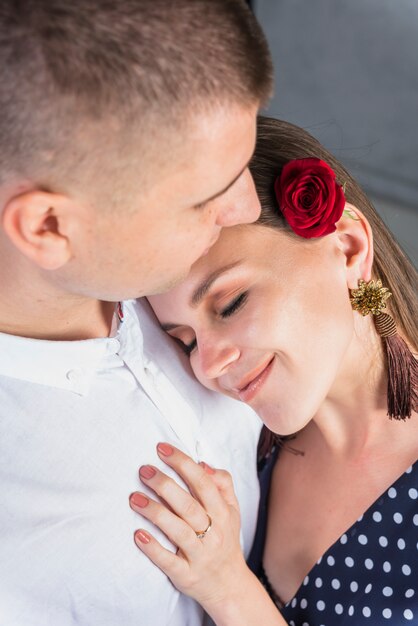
x,y
248,605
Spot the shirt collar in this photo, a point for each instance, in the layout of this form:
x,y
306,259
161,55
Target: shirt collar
x,y
68,365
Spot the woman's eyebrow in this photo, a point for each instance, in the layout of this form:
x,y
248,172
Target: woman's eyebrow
x,y
202,290
207,283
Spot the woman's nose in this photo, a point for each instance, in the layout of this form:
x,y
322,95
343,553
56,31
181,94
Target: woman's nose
x,y
216,359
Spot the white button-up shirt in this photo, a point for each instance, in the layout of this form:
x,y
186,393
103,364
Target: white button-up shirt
x,y
77,419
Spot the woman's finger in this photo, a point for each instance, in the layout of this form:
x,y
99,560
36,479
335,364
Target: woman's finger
x,y
179,500
180,533
174,566
224,483
196,478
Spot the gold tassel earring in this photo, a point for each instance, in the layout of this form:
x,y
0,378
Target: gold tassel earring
x,y
402,366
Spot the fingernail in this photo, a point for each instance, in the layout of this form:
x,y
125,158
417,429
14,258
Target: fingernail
x,y
147,471
142,536
165,449
207,467
139,500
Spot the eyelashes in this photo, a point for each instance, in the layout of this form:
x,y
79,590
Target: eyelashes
x,y
228,311
234,306
188,348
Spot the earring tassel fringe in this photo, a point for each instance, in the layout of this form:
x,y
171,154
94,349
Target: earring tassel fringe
x,y
402,390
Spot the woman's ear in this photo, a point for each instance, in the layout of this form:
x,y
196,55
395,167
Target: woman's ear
x,y
35,222
356,242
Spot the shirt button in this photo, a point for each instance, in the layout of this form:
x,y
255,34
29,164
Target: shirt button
x,y
75,375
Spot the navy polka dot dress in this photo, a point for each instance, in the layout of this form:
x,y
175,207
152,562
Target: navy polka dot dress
x,y
369,577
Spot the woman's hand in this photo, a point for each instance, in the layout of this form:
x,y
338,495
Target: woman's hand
x,y
205,525
207,568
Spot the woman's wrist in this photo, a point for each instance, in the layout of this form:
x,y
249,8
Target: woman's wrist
x,y
232,583
244,603
227,606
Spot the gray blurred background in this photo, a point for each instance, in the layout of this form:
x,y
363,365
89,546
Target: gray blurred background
x,y
347,71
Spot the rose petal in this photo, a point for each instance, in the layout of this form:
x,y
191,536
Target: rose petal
x,y
309,197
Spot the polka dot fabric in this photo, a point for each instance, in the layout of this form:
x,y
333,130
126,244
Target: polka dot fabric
x,y
369,576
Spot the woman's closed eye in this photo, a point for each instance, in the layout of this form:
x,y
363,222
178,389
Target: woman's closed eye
x,y
189,347
186,347
234,306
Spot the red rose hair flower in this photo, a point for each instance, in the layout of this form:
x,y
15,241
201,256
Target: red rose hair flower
x,y
309,197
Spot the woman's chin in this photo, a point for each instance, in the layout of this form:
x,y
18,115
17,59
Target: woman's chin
x,y
279,421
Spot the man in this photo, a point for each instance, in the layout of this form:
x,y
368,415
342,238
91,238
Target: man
x,y
125,132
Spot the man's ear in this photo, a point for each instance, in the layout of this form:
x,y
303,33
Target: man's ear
x,y
356,242
36,223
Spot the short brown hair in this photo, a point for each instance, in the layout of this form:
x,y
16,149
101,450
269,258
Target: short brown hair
x,y
64,62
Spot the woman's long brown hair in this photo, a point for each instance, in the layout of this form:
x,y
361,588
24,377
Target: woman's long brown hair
x,y
279,142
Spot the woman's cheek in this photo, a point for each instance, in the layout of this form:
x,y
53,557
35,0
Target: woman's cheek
x,y
209,383
252,324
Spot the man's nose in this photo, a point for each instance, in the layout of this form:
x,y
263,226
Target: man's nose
x,y
240,205
215,359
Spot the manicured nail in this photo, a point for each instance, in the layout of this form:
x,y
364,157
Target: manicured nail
x,y
139,500
142,536
165,449
207,467
147,471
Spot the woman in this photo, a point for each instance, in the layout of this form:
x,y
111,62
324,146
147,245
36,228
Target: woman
x,y
287,315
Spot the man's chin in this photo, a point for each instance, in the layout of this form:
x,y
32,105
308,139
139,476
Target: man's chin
x,y
176,280
167,285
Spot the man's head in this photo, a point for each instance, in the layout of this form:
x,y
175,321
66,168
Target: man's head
x,y
118,120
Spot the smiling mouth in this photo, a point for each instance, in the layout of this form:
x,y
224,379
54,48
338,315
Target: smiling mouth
x,y
249,391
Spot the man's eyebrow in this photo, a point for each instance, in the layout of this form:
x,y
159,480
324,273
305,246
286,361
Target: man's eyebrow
x,y
220,193
206,284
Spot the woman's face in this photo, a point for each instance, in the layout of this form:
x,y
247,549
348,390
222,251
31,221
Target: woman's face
x,y
266,319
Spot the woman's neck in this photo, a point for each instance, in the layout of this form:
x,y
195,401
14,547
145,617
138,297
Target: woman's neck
x,y
353,417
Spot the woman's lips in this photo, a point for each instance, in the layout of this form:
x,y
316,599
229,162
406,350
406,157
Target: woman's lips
x,y
247,393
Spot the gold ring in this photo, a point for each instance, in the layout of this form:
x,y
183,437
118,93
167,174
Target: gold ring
x,y
201,533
